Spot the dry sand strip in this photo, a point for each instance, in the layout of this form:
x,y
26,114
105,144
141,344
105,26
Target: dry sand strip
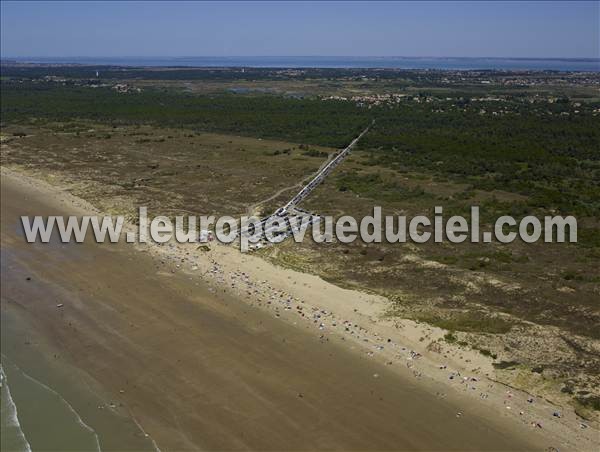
x,y
199,368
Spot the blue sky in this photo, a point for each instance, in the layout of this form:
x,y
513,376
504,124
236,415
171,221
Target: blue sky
x,y
502,29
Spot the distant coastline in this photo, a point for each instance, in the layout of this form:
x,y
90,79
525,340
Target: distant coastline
x,y
439,63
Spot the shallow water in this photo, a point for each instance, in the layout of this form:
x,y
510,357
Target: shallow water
x,y
40,417
200,371
555,64
46,403
11,435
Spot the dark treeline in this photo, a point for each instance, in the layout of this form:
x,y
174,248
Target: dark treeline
x,y
108,72
552,159
308,120
82,72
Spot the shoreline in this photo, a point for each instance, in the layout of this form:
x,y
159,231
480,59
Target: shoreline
x,y
12,436
357,62
356,322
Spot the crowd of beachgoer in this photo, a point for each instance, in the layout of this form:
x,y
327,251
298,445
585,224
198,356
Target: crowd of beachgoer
x,y
262,294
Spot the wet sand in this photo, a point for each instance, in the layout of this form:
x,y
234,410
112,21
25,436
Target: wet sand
x,y
199,370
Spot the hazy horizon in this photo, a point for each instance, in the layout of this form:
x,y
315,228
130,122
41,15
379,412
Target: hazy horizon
x,y
538,29
175,57
330,62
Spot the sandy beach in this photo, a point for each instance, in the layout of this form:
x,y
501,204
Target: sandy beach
x,y
174,348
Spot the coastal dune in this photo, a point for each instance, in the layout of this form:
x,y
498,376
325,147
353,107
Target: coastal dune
x,y
194,368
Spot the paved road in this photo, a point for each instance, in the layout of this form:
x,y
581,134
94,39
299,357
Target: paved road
x,y
323,173
289,209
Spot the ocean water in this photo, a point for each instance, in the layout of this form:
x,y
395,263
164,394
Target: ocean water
x,y
12,437
46,403
43,419
555,64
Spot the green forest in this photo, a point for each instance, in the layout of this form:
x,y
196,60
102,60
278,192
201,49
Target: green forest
x,y
547,154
